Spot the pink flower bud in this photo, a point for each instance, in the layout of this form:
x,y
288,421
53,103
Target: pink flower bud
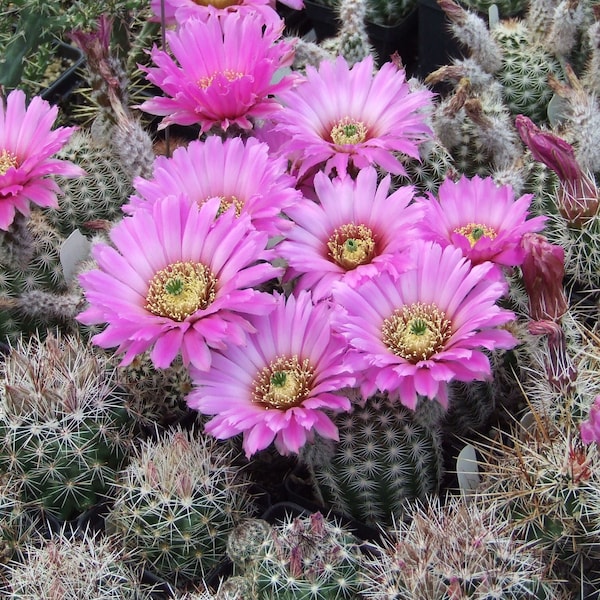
x,y
578,196
543,272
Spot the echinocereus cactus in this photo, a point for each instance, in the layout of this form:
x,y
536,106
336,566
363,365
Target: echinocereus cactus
x,y
385,456
64,431
545,483
176,503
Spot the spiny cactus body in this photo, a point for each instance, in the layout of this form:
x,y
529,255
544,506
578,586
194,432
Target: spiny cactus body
x,y
74,568
454,550
546,484
64,431
384,457
98,195
176,503
305,558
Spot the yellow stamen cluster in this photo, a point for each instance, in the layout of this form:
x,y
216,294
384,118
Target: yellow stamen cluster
x,y
221,4
7,160
230,75
417,331
227,203
180,289
285,383
351,246
348,131
475,231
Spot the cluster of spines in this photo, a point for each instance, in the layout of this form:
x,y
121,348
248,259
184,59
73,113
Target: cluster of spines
x,y
384,457
64,433
307,556
86,565
176,503
454,549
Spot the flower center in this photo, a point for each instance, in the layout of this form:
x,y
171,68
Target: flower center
x,y
7,160
179,290
285,383
348,131
416,331
475,231
206,82
227,203
217,3
351,246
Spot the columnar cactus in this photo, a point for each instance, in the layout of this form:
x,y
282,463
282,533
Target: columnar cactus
x,y
305,557
64,432
176,503
386,455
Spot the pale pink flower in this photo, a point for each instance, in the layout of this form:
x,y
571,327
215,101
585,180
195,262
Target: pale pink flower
x,y
279,385
241,174
354,231
224,73
177,280
413,334
343,116
27,143
481,218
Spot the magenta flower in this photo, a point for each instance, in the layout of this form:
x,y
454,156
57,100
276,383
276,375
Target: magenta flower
x,y
225,72
239,173
355,231
177,281
279,384
590,428
341,116
481,218
27,143
413,334
180,11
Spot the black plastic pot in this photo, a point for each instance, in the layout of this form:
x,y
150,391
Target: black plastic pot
x,y
436,46
324,19
70,79
402,38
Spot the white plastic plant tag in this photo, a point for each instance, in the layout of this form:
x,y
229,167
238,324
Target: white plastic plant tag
x,y
493,16
75,249
557,110
467,470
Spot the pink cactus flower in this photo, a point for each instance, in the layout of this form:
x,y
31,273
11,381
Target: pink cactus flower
x,y
177,281
343,117
578,198
355,230
242,174
590,428
27,143
224,74
414,334
279,385
481,218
